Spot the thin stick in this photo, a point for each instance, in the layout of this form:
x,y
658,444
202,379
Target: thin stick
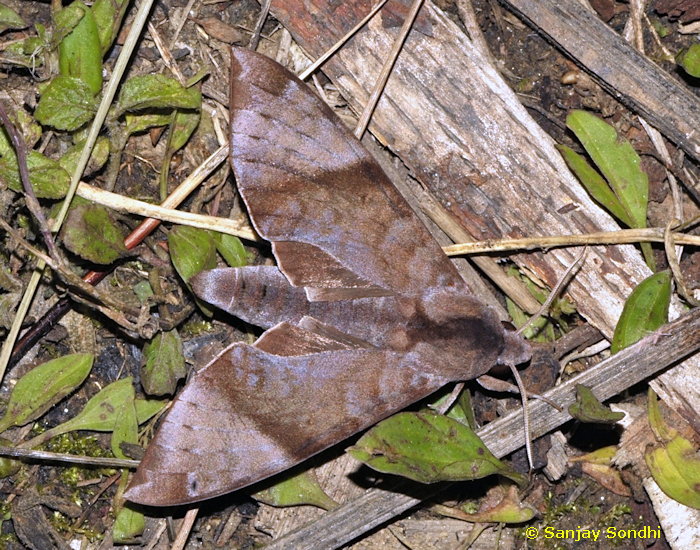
x,y
674,265
386,70
165,53
101,462
162,526
623,236
253,44
30,197
111,90
181,23
321,60
77,523
185,528
134,239
71,279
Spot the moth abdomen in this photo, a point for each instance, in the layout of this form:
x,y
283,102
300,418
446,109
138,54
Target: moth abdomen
x,y
259,295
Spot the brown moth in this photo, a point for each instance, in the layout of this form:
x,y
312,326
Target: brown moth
x,y
364,313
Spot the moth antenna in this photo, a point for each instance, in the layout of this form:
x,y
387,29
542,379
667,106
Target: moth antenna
x,y
521,387
526,415
555,291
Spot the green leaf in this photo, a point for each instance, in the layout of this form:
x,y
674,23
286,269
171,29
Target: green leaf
x,y
10,19
128,525
191,250
231,249
675,470
109,15
66,104
100,413
464,404
5,143
662,431
44,386
617,160
98,157
428,447
143,290
296,490
27,53
157,91
689,59
147,408
595,185
126,426
165,364
673,464
79,53
65,21
144,121
91,233
182,124
8,467
201,74
27,126
588,409
48,179
181,128
645,310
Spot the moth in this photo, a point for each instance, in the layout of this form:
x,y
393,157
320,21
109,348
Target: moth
x,y
364,313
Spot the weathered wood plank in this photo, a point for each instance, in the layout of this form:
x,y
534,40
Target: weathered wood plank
x,y
461,130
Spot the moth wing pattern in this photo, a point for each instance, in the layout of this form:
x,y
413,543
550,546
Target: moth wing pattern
x,y
306,179
340,232
204,449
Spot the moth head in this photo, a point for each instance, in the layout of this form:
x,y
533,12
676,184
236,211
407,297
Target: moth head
x,y
516,350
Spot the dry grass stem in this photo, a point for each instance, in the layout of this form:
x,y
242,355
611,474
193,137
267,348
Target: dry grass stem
x,y
140,208
386,69
321,60
623,236
185,528
47,456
